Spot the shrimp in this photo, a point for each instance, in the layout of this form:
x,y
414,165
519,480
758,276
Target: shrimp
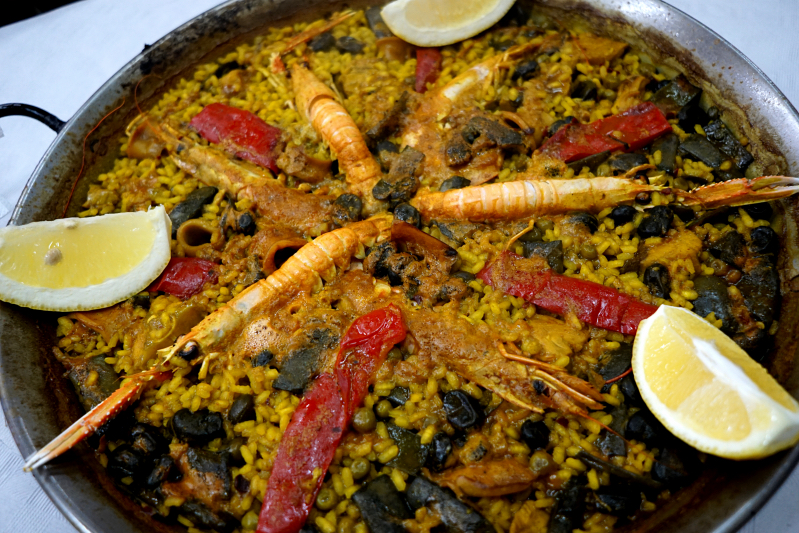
x,y
319,106
520,199
301,273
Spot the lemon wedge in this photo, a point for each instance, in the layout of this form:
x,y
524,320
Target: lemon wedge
x,y
707,391
77,264
442,22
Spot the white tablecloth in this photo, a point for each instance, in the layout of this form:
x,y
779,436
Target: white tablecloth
x,y
57,60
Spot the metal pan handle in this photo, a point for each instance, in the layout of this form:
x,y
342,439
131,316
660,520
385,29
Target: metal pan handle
x,y
25,110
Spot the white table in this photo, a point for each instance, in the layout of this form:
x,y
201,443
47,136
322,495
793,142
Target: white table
x,y
57,60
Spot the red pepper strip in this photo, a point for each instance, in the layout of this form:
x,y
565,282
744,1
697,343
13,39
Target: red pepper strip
x,y
184,277
630,130
239,132
428,66
317,426
593,303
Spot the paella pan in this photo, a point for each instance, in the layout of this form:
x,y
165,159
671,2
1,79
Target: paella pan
x,y
474,313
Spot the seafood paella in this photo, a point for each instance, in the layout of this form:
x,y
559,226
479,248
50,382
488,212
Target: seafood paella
x,y
405,282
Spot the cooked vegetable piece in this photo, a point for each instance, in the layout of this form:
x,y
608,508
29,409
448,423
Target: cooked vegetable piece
x,y
428,65
382,506
408,214
376,23
667,146
184,277
718,133
760,287
593,303
587,220
412,453
713,298
318,423
239,132
621,473
622,163
551,251
242,408
456,516
630,130
616,362
656,277
730,248
698,148
675,95
349,45
199,427
592,161
440,449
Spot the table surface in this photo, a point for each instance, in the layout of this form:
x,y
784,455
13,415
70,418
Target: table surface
x,y
58,59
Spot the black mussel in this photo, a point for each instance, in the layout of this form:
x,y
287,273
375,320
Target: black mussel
x,y
760,287
656,222
382,506
592,162
713,298
440,448
551,251
619,500
667,146
322,42
349,44
242,408
525,70
535,435
408,213
224,68
346,209
622,163
692,115
163,469
724,140
462,411
764,240
465,276
685,213
630,390
233,448
644,427
376,23
761,211
669,469
567,513
412,454
398,396
455,182
203,517
559,124
124,462
730,248
622,214
611,444
585,90
263,358
616,362
675,95
147,440
246,224
456,516
698,148
199,427
241,484
586,219
625,475
381,190
191,207
656,277
94,393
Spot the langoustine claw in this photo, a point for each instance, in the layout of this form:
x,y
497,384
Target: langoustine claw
x,y
742,191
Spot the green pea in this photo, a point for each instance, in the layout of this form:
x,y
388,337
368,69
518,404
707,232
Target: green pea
x,y
326,500
364,420
395,354
360,468
249,520
544,224
382,408
345,525
588,251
